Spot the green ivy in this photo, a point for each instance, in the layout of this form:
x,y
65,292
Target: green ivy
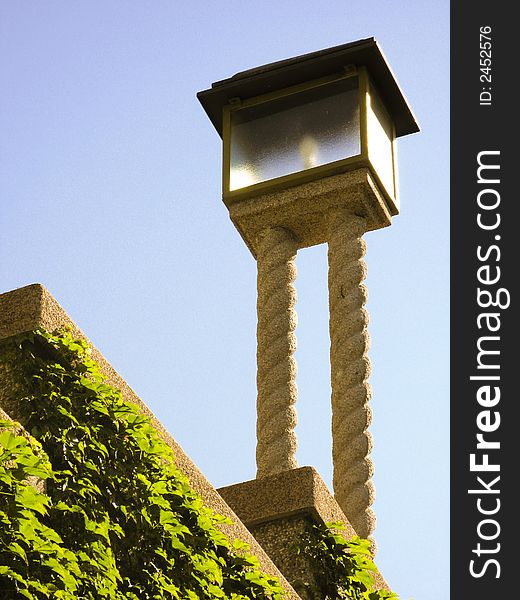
x,y
343,567
113,518
118,520
33,560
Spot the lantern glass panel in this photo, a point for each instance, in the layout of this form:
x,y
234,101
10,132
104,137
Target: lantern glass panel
x,y
294,133
380,141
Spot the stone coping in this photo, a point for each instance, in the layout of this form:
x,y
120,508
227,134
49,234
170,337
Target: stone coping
x,y
282,495
25,309
296,492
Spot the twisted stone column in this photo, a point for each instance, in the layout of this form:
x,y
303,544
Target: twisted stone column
x,y
350,368
276,366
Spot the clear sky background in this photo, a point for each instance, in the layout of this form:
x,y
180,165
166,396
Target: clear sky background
x,y
110,176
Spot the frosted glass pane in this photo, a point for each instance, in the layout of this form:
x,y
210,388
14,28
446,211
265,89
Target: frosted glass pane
x,y
294,133
380,136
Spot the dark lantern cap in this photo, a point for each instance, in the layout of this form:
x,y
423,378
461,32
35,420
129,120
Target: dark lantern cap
x,y
306,67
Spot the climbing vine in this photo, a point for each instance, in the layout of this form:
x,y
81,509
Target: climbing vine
x,y
92,506
117,520
343,567
33,560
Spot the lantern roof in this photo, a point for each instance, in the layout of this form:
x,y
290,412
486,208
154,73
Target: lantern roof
x,y
278,75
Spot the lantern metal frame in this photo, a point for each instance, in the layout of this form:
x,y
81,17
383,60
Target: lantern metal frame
x,y
365,86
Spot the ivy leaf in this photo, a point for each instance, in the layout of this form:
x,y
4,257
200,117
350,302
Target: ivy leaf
x,y
33,500
216,591
10,441
15,548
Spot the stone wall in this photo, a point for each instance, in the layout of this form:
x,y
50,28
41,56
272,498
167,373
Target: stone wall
x,y
25,309
279,509
271,513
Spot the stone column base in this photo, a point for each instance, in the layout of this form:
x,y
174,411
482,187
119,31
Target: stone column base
x,y
278,509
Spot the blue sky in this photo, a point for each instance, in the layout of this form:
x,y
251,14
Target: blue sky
x,y
110,177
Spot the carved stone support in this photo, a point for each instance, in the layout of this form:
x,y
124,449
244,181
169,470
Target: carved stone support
x,y
350,369
276,374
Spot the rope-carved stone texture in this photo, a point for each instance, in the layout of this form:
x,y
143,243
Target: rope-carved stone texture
x,y
350,366
276,366
350,369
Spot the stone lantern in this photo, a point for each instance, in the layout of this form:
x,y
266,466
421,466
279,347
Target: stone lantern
x,y
309,157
